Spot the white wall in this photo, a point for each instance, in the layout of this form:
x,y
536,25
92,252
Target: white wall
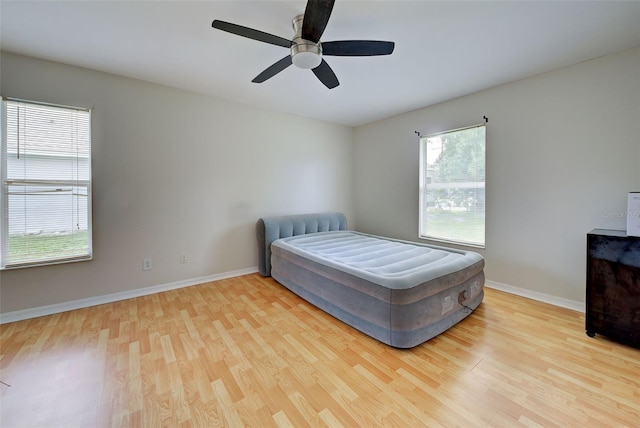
x,y
563,150
176,172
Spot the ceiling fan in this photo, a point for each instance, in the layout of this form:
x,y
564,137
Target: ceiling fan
x,y
306,51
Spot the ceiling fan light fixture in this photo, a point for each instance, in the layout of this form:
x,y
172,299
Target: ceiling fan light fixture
x,y
305,54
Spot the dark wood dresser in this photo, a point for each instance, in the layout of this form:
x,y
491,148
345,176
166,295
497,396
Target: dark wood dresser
x,y
613,286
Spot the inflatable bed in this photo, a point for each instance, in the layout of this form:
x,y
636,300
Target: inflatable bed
x,y
398,292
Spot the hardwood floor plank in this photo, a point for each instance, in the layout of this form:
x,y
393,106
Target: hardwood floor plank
x,y
398,401
247,352
329,419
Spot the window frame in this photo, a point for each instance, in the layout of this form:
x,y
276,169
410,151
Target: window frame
x,y
423,190
74,184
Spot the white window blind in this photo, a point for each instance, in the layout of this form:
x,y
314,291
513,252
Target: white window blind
x,y
452,186
46,184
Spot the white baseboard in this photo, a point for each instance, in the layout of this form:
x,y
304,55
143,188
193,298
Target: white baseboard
x,y
109,298
541,297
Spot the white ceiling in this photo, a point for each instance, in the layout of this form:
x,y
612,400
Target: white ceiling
x,y
443,49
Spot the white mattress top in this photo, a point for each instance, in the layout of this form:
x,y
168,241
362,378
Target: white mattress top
x,y
388,262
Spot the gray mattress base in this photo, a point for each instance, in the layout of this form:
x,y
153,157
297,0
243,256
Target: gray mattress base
x,y
402,318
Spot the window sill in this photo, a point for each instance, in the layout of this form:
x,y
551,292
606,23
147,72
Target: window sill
x,y
47,262
453,242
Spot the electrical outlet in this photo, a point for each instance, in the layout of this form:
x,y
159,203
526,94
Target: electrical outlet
x,y
147,264
184,258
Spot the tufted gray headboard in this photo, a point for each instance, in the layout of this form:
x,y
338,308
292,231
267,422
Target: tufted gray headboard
x,y
268,229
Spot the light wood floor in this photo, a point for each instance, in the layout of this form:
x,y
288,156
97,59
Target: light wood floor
x,y
247,352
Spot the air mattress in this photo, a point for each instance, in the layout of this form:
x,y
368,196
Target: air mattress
x,y
400,293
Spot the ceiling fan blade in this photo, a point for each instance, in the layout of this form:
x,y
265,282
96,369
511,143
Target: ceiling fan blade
x,y
250,33
326,75
273,70
357,48
316,17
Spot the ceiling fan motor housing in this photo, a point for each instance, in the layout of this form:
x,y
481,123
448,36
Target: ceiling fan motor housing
x,y
304,53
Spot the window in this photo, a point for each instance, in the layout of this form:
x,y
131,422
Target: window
x,y
45,197
452,186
